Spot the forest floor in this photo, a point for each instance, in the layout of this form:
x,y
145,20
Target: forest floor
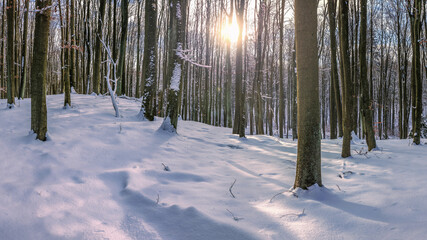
x,y
101,177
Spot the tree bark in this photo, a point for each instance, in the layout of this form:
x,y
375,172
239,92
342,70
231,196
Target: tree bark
x,y
366,109
335,96
177,16
97,62
239,117
24,52
345,79
121,83
11,8
39,69
149,64
308,170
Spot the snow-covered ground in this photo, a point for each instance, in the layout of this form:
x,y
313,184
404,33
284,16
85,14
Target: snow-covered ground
x,y
101,177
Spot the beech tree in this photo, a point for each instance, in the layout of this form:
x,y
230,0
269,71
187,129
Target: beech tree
x,y
11,9
121,85
149,64
177,17
366,109
308,170
415,10
39,69
239,113
345,78
98,48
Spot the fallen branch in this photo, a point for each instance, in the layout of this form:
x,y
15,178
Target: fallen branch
x,y
271,199
166,168
234,217
231,188
298,215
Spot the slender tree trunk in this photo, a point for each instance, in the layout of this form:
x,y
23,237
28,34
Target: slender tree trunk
x,y
67,46
72,46
281,75
11,8
39,69
366,110
149,64
2,36
335,88
228,122
294,94
24,52
345,79
308,170
176,38
258,71
239,116
138,52
97,62
88,48
121,83
417,81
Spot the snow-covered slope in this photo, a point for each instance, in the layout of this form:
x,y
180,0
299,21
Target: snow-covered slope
x,y
101,177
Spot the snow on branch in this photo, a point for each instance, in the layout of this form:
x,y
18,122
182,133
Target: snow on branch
x,y
107,78
183,54
45,8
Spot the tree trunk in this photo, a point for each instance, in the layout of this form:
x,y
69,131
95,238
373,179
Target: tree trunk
x,y
39,69
366,110
121,83
97,62
67,46
24,52
345,79
177,16
72,46
239,117
417,81
11,8
335,88
281,76
149,64
308,170
2,79
258,71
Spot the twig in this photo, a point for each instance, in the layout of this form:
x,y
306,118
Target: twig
x,y
158,199
231,188
166,168
298,215
234,217
271,200
338,187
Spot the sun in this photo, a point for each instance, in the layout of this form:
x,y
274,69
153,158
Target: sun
x,y
231,31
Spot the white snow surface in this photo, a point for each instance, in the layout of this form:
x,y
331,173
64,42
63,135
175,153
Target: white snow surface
x,y
101,177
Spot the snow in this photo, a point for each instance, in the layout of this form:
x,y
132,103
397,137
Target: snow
x,y
176,77
102,177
